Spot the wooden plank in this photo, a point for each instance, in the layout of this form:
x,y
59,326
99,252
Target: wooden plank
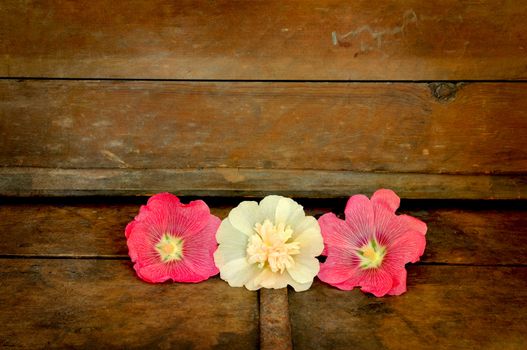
x,y
445,308
101,304
493,235
366,127
254,182
275,328
314,40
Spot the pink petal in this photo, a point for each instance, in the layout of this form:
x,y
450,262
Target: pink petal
x,y
391,228
355,276
198,249
387,198
408,248
129,228
376,281
383,223
177,271
340,265
399,283
360,218
413,224
190,218
335,232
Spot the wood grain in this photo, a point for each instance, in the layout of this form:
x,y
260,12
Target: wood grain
x,y
480,128
445,308
275,328
495,235
314,40
102,304
254,182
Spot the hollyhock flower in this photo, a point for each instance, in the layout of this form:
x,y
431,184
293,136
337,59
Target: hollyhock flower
x,y
271,245
371,246
169,240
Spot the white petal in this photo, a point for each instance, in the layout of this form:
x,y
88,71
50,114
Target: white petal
x,y
231,252
289,212
300,287
245,216
268,207
238,272
268,279
228,234
304,269
309,236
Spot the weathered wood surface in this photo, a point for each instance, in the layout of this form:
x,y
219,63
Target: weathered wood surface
x,y
254,182
469,235
101,304
314,40
275,327
446,307
481,128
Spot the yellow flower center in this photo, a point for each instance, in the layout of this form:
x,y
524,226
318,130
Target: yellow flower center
x,y
170,248
269,245
371,255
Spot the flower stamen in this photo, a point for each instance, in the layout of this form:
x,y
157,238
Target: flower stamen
x,y
269,245
170,248
371,255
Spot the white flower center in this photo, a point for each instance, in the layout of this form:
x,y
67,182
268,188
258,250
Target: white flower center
x,y
170,248
371,255
269,245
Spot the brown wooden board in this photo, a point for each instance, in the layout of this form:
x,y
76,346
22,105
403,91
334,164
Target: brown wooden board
x,y
314,40
472,235
481,128
254,182
446,307
102,304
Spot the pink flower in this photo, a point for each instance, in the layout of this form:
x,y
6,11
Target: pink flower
x,y
371,246
169,240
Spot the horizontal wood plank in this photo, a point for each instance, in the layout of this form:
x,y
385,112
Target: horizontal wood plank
x,y
314,40
102,304
254,182
445,307
480,236
478,128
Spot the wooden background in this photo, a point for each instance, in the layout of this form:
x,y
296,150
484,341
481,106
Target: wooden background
x,y
106,100
302,98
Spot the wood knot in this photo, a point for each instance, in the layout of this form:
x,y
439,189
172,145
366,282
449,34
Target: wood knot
x,y
444,92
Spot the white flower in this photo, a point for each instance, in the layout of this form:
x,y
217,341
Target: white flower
x,y
269,245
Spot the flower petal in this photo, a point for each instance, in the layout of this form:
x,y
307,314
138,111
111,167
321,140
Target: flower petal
x,y
399,283
376,281
228,234
340,265
268,279
289,212
236,272
245,216
407,248
198,249
307,233
299,287
336,232
387,198
360,218
268,207
413,224
304,269
161,272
